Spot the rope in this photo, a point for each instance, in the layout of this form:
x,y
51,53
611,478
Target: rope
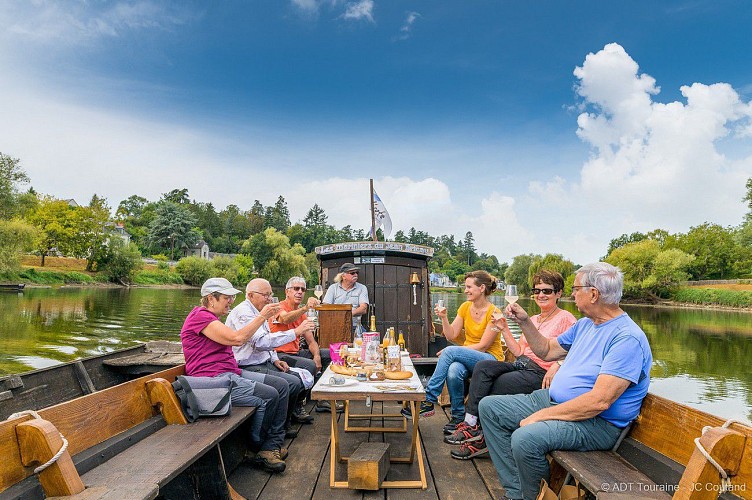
x,y
725,479
57,455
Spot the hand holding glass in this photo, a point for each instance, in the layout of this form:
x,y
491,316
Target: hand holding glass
x,y
511,295
440,306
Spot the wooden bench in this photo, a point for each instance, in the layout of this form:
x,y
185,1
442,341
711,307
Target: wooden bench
x,y
129,441
659,459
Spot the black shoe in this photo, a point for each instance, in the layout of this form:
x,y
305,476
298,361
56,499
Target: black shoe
x,y
291,433
452,425
426,410
301,416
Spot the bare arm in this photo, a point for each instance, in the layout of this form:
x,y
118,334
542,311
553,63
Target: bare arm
x,y
606,390
313,346
512,344
546,349
451,331
223,334
361,309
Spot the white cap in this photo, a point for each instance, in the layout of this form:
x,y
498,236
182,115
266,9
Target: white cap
x,y
220,285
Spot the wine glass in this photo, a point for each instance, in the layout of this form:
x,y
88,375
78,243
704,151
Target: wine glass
x,y
440,305
511,294
318,291
275,300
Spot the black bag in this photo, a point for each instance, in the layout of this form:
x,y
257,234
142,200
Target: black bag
x,y
204,396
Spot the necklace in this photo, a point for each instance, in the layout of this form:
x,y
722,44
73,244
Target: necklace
x,y
541,319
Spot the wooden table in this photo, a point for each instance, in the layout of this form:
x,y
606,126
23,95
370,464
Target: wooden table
x,y
373,391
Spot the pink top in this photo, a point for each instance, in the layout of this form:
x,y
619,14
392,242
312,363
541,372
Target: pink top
x,y
203,356
550,328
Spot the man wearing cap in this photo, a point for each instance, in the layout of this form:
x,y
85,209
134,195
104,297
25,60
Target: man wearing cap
x,y
207,347
347,290
258,354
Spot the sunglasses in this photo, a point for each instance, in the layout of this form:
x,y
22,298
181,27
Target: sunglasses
x,y
353,272
298,288
544,291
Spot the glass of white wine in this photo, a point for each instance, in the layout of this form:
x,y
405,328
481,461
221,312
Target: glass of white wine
x,y
275,300
318,291
511,294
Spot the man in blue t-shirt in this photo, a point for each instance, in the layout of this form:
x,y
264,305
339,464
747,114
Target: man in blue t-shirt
x,y
595,394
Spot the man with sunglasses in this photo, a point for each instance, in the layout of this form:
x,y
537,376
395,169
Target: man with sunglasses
x,y
595,394
347,290
258,354
291,316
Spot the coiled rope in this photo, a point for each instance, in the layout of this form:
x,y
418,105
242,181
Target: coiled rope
x,y
57,455
725,479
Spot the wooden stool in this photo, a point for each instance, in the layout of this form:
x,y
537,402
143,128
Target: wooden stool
x,y
367,466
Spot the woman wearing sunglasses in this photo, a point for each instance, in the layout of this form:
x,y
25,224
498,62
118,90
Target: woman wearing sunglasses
x,y
527,374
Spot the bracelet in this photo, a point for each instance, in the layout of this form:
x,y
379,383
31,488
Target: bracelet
x,y
560,362
495,329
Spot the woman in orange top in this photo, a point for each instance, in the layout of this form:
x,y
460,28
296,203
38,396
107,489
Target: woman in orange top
x,y
481,343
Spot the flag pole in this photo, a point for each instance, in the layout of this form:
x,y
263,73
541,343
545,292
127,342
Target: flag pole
x,y
373,215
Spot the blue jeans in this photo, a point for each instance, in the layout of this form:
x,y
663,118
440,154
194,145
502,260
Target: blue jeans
x,y
454,366
519,453
269,395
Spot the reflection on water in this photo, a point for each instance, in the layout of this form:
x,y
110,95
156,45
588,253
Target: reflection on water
x,y
701,357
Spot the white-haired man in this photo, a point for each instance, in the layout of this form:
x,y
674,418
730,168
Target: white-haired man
x,y
258,354
595,394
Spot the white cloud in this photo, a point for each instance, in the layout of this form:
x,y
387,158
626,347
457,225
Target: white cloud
x,y
362,10
407,26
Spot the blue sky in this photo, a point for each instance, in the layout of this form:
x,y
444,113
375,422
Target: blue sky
x,y
540,126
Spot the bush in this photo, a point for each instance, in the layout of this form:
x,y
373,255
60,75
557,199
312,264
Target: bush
x,y
226,267
76,277
713,296
193,270
121,261
15,237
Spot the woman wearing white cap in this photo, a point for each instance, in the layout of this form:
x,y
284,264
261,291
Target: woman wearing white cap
x,y
207,347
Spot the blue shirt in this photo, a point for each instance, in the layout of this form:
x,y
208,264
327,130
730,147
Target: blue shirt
x,y
617,347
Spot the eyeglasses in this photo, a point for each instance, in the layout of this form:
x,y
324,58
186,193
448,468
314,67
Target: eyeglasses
x,y
544,291
353,273
265,295
228,298
298,288
575,287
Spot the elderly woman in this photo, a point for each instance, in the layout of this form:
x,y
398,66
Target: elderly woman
x,y
481,343
527,374
207,346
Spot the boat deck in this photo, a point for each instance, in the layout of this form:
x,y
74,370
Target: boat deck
x,y
307,474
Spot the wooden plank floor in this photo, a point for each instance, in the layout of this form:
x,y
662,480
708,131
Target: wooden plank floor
x,y
307,473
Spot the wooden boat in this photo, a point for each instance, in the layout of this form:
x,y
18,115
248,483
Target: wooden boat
x,y
12,287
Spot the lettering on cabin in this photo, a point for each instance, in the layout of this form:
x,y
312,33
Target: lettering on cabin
x,y
374,246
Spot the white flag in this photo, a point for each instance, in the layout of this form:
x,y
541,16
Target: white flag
x,y
382,216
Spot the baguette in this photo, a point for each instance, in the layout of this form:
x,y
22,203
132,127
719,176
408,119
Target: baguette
x,y
402,375
342,370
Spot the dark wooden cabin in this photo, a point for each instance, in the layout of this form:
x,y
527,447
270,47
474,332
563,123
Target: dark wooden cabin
x,y
390,271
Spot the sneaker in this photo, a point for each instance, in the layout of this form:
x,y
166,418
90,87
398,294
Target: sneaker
x,y
325,407
451,426
270,461
475,449
465,434
301,416
426,410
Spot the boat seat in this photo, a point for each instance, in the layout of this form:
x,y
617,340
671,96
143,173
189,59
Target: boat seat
x,y
129,441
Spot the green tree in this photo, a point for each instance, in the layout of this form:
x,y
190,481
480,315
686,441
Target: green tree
x,y
94,229
178,196
624,239
11,177
552,262
649,272
57,222
121,260
455,269
275,259
227,268
712,246
278,216
469,246
16,237
748,199
172,228
517,272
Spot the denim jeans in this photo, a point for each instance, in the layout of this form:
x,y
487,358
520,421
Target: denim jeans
x,y
269,396
454,366
519,453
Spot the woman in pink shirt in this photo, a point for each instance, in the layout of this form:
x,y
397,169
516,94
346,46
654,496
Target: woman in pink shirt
x,y
527,374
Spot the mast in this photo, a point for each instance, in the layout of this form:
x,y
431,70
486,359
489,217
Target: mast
x,y
373,215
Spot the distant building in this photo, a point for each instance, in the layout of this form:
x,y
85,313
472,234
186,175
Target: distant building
x,y
200,249
440,279
119,230
72,203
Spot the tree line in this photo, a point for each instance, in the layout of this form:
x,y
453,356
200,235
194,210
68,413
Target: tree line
x,y
264,241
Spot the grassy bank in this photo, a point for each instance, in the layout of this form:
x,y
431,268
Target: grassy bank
x,y
70,271
715,296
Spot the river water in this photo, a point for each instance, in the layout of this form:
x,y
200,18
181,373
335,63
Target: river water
x,y
701,357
